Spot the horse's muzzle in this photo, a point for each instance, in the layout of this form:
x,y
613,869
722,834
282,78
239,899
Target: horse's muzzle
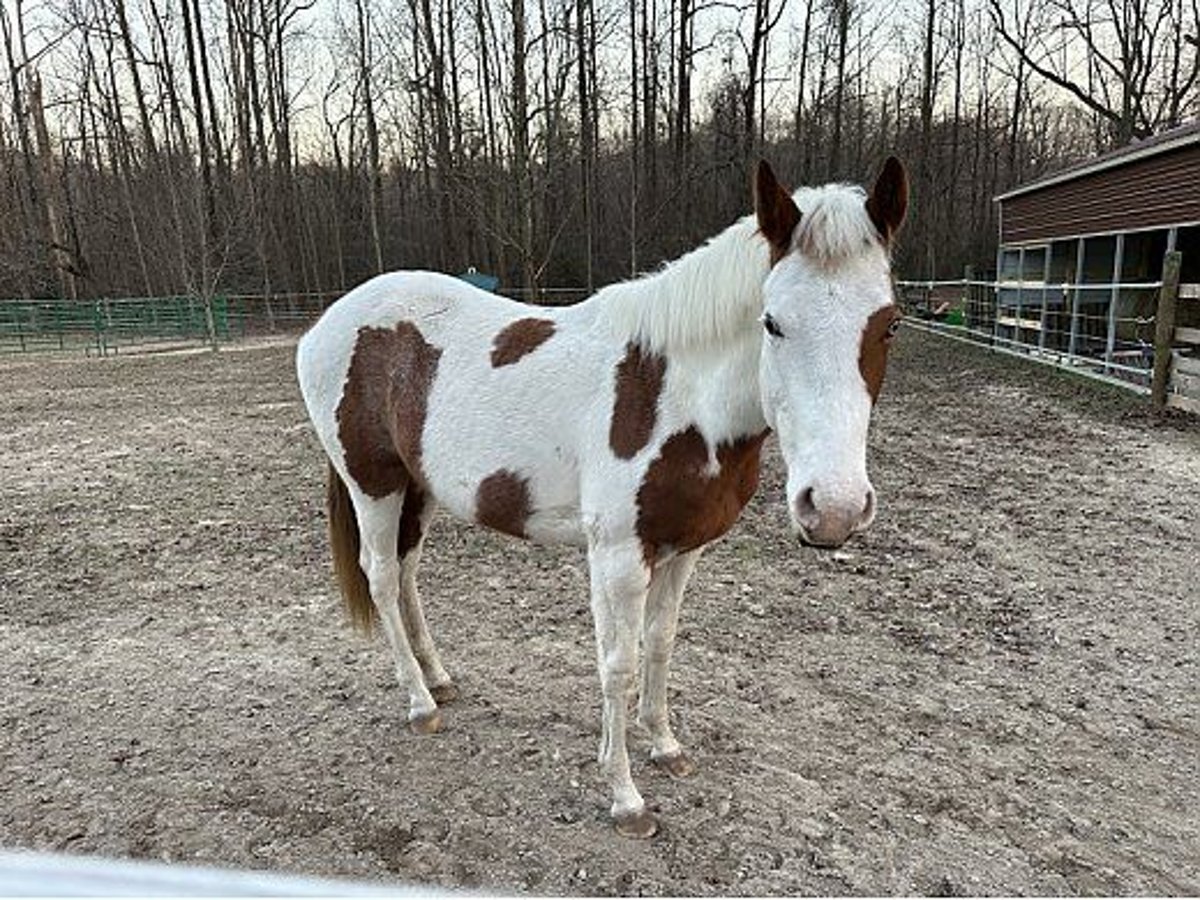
x,y
830,524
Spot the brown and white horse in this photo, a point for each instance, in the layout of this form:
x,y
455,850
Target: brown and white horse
x,y
630,424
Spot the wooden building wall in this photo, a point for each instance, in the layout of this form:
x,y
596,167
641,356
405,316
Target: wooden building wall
x,y
1153,192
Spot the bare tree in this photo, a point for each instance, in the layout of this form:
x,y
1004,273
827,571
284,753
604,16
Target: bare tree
x,y
1142,70
171,145
520,146
365,91
764,23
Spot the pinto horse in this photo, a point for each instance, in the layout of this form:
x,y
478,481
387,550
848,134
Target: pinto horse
x,y
630,424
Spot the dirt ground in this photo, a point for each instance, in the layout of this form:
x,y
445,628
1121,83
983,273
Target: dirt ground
x,y
993,691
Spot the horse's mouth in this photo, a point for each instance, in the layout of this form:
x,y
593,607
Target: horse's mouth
x,y
822,542
821,545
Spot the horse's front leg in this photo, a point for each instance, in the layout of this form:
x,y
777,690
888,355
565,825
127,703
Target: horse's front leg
x,y
662,619
619,580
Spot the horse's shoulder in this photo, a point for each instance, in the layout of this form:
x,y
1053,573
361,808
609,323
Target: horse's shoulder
x,y
694,489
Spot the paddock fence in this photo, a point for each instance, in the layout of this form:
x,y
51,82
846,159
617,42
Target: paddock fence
x,y
107,326
1143,336
1113,332
111,325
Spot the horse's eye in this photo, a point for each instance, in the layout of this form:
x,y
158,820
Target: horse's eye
x,y
894,327
772,326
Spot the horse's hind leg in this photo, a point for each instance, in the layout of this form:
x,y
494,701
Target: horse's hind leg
x,y
662,619
414,523
379,526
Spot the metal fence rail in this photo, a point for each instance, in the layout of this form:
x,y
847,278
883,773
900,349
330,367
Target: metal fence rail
x,y
112,325
1104,331
256,315
103,325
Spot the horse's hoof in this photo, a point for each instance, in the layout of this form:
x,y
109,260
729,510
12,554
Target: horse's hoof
x,y
444,693
426,723
677,764
639,825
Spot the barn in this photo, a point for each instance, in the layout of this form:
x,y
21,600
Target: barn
x,y
1081,253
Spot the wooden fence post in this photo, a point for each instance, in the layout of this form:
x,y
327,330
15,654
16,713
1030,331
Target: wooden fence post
x,y
968,295
210,322
1164,327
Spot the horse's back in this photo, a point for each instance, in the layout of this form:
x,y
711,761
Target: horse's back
x,y
416,374
394,297
426,302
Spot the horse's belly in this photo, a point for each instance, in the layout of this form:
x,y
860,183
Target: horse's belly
x,y
538,503
501,446
556,525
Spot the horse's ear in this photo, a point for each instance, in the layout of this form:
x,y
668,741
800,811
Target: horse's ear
x,y
777,213
889,199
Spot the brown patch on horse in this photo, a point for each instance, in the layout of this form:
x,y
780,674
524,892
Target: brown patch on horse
x,y
873,350
411,531
682,505
502,502
381,415
519,338
635,404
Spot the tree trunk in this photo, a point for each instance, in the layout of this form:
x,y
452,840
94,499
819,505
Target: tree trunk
x,y
136,78
373,174
798,132
925,174
214,120
842,10
59,255
634,138
585,137
441,136
683,92
520,139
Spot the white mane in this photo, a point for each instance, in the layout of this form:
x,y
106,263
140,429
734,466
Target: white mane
x,y
711,293
703,297
834,225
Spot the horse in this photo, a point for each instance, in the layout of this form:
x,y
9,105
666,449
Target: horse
x,y
630,424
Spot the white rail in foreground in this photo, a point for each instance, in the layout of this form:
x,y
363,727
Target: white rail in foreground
x,y
54,875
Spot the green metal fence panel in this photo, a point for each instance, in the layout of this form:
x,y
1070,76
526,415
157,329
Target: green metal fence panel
x,y
109,324
46,325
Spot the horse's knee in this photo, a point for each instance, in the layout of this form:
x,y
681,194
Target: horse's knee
x,y
657,650
619,568
617,675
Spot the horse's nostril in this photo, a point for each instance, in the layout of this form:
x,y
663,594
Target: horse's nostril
x,y
806,509
869,506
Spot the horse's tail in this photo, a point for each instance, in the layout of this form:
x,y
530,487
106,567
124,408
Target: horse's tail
x,y
345,542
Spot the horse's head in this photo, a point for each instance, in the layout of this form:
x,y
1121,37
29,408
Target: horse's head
x,y
829,315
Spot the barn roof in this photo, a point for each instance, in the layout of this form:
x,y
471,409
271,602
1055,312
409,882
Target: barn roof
x,y
1164,142
1148,185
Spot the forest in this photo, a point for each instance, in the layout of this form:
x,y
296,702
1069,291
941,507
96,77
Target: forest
x,y
158,147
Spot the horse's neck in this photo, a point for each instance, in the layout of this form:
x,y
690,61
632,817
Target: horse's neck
x,y
719,391
700,303
701,312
